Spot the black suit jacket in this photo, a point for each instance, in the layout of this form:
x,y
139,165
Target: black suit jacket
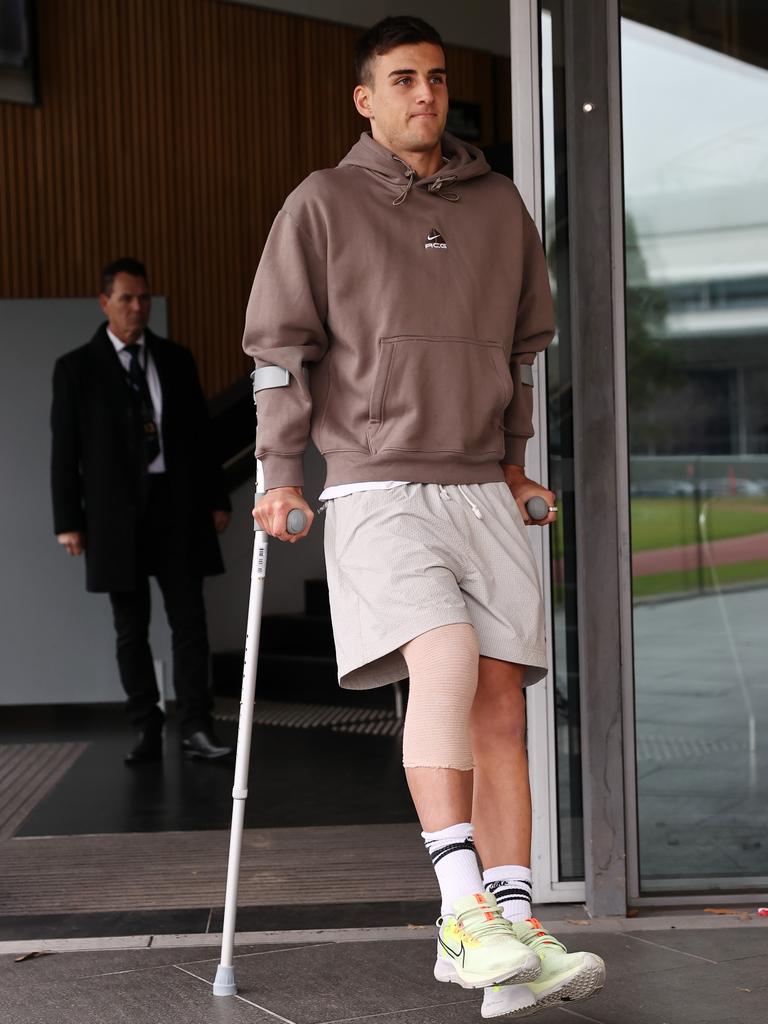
x,y
98,477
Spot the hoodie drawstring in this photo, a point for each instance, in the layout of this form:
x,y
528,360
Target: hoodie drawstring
x,y
446,496
410,175
435,187
437,184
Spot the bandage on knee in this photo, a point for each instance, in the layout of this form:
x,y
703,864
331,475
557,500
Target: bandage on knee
x,y
442,666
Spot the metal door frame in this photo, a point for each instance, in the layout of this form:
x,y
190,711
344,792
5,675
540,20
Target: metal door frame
x,y
596,240
527,161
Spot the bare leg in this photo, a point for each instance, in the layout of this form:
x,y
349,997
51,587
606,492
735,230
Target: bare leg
x,y
501,799
441,796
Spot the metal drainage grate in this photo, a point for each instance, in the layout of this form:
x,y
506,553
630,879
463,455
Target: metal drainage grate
x,y
366,721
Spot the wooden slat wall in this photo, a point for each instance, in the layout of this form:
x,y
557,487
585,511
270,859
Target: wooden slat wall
x,y
172,131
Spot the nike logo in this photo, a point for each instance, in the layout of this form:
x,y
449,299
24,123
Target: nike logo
x,y
455,953
435,240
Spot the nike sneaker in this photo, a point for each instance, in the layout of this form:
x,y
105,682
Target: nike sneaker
x,y
565,977
476,947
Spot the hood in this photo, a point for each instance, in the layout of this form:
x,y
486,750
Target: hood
x,y
462,162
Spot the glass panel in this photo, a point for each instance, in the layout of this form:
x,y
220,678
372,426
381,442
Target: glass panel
x,y
695,95
570,842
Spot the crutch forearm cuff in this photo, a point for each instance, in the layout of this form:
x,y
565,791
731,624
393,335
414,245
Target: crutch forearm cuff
x,y
264,378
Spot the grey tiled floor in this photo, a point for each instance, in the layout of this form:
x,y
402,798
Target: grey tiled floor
x,y
665,976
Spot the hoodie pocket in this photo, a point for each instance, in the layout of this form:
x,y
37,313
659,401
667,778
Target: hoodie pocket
x,y
439,394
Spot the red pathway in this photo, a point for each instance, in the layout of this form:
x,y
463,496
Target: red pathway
x,y
751,548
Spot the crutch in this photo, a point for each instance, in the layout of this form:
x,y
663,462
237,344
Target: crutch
x,y
537,508
224,983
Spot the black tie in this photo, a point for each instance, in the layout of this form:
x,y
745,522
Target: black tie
x,y
140,390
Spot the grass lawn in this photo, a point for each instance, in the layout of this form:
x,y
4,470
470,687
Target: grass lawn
x,y
678,584
669,522
685,582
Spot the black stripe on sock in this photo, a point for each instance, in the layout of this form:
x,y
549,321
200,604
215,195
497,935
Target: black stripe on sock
x,y
506,895
451,845
501,894
453,848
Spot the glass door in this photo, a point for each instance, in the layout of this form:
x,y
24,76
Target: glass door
x,y
694,98
690,651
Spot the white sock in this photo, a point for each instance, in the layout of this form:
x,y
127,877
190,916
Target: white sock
x,y
511,884
455,862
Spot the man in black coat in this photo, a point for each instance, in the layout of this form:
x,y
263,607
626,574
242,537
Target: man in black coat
x,y
136,487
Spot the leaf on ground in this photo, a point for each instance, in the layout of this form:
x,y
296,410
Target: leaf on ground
x,y
723,911
33,955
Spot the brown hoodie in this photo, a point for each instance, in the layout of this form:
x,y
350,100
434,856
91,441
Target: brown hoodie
x,y
412,303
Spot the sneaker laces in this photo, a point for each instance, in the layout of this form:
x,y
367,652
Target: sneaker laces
x,y
483,921
540,937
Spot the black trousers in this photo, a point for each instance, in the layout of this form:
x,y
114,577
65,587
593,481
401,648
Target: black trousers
x,y
163,553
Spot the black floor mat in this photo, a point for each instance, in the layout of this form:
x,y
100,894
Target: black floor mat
x,y
298,777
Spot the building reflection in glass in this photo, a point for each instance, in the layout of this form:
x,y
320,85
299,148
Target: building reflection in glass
x,y
696,188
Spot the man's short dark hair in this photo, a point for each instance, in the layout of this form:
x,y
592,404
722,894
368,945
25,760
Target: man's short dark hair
x,y
125,265
385,36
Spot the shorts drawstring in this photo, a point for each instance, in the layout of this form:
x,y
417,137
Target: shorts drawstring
x,y
475,510
446,496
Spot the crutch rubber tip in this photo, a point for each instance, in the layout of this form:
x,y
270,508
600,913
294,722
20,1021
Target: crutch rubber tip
x,y
296,521
224,982
537,508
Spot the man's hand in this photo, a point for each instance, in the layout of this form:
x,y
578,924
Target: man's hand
x,y
522,489
73,543
220,520
271,512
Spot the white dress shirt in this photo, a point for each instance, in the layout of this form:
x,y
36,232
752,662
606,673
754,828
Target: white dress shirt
x,y
155,391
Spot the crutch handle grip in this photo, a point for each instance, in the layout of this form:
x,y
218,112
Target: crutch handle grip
x,y
296,522
537,508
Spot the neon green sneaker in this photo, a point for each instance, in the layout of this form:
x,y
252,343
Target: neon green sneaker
x,y
564,976
476,947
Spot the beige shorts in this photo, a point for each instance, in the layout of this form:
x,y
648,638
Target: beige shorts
x,y
409,559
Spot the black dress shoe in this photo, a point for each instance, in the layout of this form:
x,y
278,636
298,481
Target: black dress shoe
x,y
149,748
204,746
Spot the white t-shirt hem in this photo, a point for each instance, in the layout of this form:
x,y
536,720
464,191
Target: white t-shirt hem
x,y
339,490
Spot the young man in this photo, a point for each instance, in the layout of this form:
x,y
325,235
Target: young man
x,y
404,295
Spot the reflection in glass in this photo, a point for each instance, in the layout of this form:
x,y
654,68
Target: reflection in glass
x,y
696,182
565,654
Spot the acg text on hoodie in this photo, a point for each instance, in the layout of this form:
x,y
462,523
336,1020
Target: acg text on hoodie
x,y
414,304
